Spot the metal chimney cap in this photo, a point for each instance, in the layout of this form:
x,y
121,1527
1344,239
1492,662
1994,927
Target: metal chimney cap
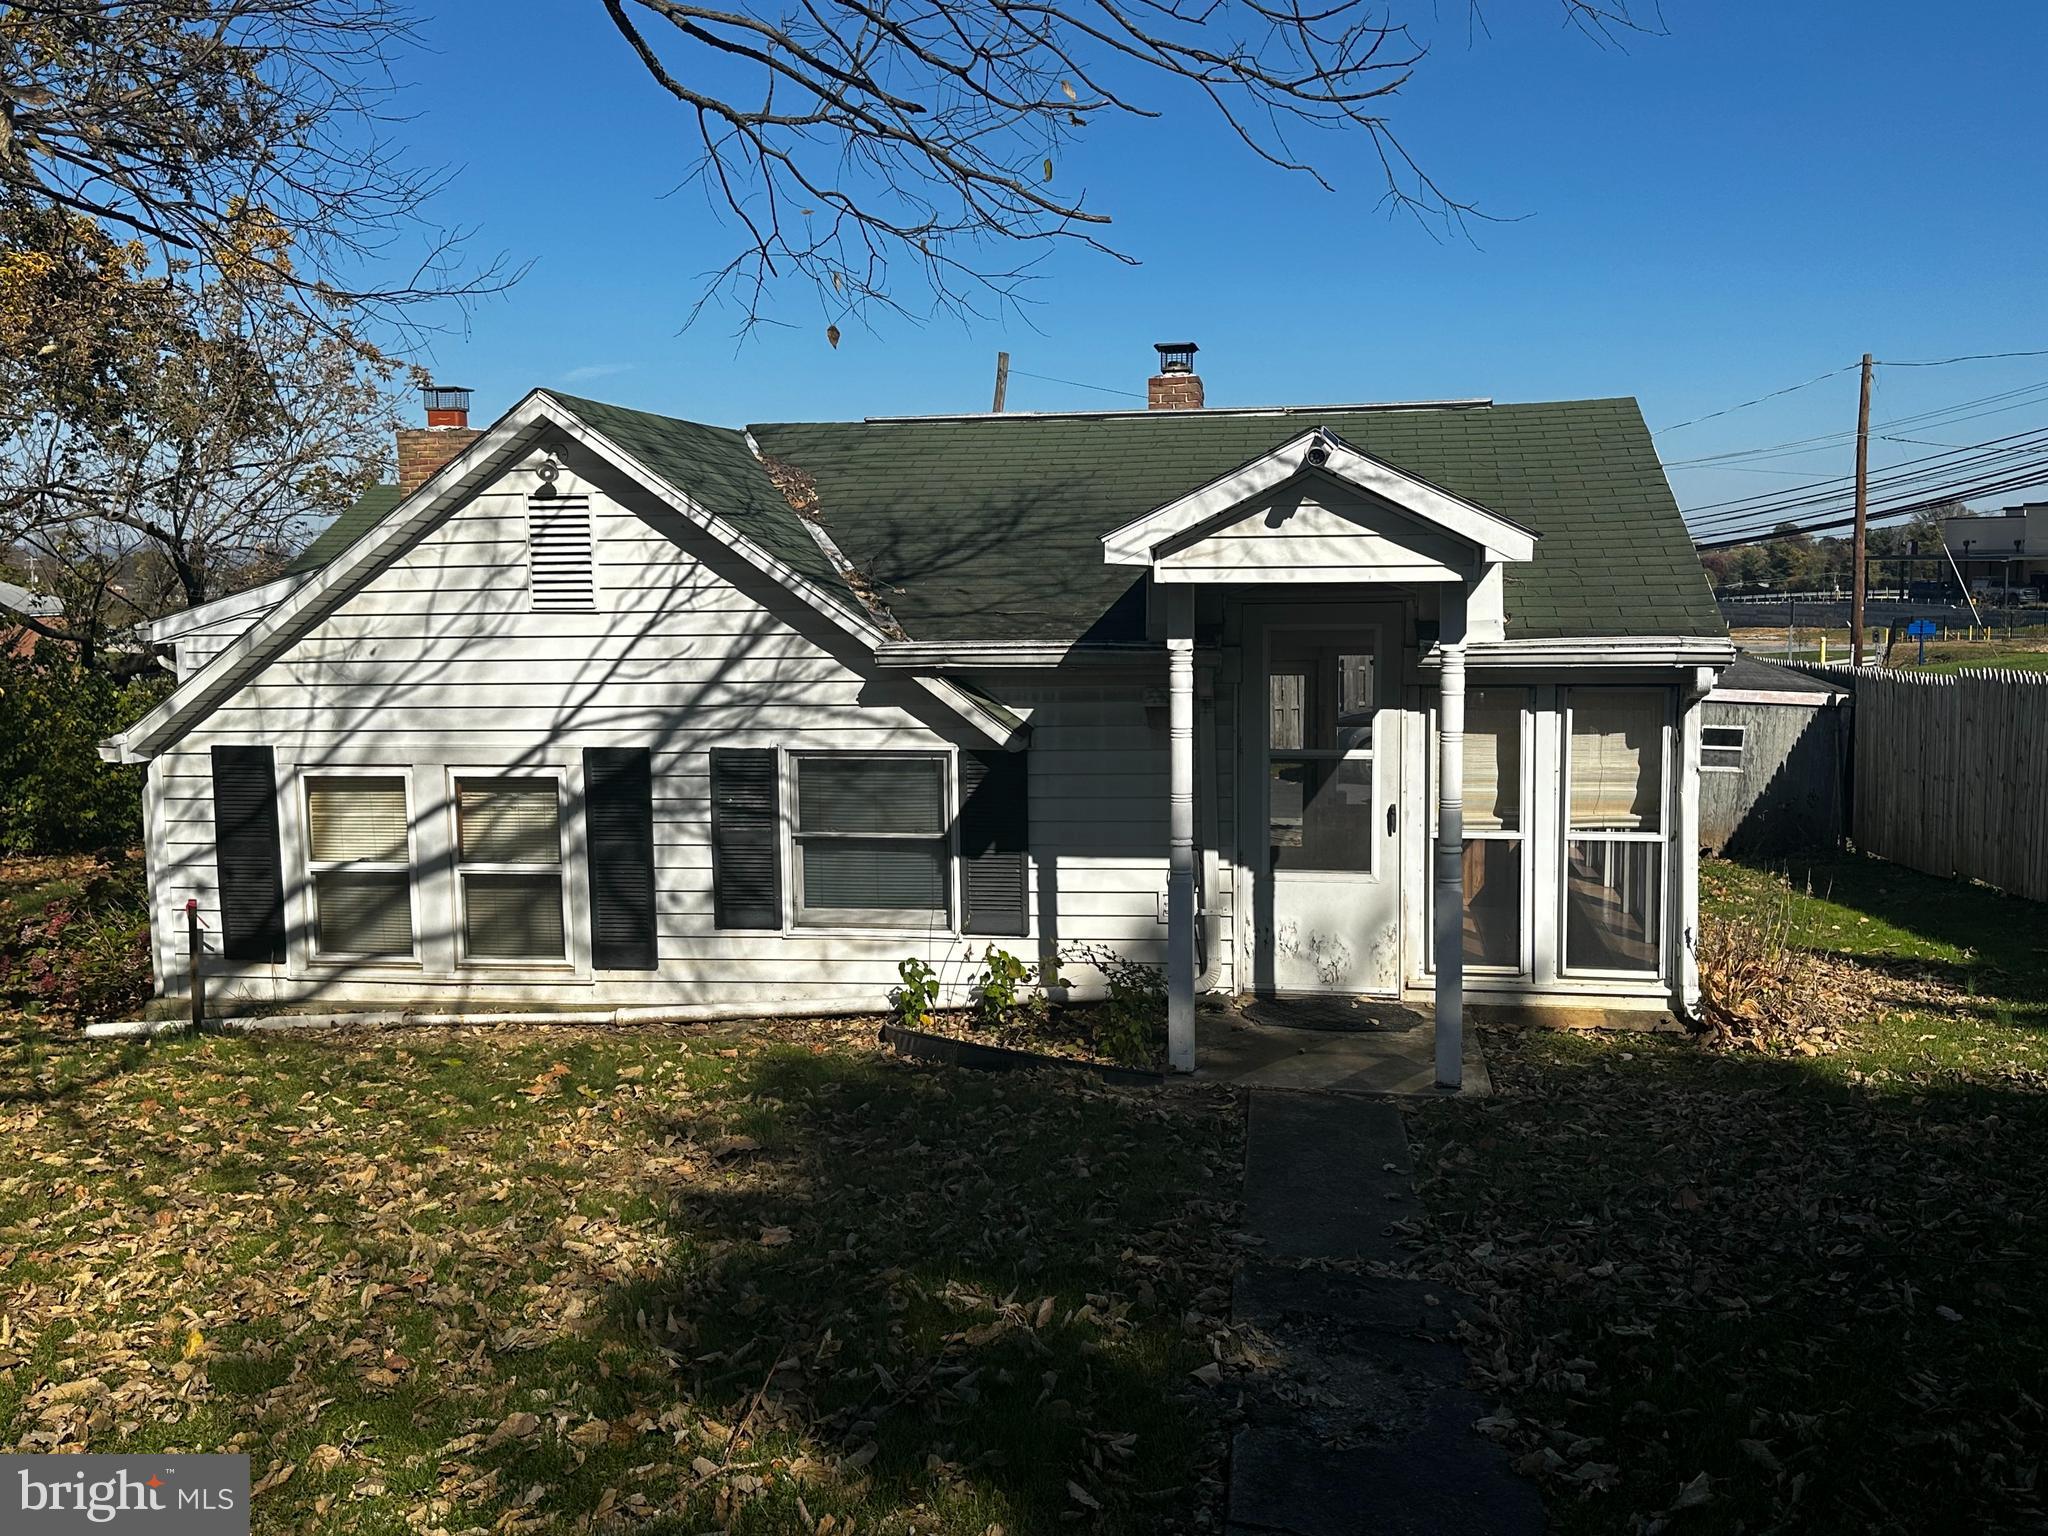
x,y
445,397
1176,356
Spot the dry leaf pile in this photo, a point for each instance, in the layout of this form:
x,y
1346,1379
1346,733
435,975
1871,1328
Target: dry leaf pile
x,y
1752,1293
1760,991
466,1282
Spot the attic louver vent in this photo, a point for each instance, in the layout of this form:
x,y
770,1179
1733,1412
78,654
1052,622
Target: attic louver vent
x,y
558,554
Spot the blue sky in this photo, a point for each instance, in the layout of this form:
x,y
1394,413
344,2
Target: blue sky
x,y
1757,196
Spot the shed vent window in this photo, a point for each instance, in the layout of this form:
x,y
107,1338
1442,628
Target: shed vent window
x,y
558,553
1721,747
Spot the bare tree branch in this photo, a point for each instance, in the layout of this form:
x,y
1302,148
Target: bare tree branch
x,y
936,131
237,137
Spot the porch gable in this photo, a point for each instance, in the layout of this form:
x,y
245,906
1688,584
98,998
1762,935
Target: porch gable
x,y
1315,527
1372,497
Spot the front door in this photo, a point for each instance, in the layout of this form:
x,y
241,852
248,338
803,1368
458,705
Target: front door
x,y
1328,916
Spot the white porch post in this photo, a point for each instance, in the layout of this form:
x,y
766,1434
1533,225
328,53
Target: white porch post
x,y
1450,844
1180,829
1688,860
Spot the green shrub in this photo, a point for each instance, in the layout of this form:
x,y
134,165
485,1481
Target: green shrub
x,y
917,994
77,947
1131,1026
56,796
998,992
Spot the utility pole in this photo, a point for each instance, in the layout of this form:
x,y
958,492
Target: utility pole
x,y
1862,516
1002,380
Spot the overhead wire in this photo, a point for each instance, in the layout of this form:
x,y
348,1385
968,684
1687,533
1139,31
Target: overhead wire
x,y
1949,459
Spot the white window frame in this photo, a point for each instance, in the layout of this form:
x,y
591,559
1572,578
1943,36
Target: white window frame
x,y
566,961
867,921
1525,772
1665,835
1738,748
314,868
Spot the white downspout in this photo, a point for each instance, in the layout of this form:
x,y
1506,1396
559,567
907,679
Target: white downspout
x,y
1180,829
1450,844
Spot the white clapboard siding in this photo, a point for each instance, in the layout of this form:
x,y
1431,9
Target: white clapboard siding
x,y
441,662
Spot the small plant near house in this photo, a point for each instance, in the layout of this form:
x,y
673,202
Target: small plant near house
x,y
1131,1027
1001,992
915,995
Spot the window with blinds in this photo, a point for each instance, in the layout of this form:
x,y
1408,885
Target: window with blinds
x,y
1493,841
1493,760
1617,759
509,849
358,852
871,841
1614,845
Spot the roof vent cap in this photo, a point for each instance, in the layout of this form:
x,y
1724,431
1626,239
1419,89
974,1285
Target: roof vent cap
x,y
447,405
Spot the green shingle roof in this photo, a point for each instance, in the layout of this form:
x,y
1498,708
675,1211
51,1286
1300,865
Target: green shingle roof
x,y
714,467
990,528
369,510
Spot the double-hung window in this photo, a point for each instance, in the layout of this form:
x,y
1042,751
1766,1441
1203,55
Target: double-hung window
x,y
509,848
359,856
1615,828
872,842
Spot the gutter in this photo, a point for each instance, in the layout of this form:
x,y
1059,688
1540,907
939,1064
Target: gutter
x,y
916,654
1659,651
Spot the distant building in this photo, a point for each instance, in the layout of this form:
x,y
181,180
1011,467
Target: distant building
x,y
2001,551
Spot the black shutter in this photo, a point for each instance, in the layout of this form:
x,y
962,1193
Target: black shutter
x,y
618,819
995,835
246,856
746,858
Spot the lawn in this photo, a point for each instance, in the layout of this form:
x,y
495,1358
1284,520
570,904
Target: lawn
x,y
2024,649
1764,1290
656,1281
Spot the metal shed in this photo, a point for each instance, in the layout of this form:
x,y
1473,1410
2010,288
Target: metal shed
x,y
1774,761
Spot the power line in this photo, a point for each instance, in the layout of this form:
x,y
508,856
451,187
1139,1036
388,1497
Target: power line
x,y
1954,456
2036,475
1789,389
1916,489
1944,415
1968,357
1102,389
1991,479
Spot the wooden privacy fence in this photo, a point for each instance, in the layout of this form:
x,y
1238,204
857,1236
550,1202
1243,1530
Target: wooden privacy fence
x,y
1951,773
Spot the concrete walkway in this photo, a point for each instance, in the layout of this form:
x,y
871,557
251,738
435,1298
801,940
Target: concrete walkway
x,y
1326,1045
1362,1423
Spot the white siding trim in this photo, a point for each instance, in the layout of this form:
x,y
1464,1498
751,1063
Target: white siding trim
x,y
460,479
1139,542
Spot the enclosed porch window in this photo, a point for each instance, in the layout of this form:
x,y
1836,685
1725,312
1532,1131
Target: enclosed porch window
x,y
1615,776
1494,829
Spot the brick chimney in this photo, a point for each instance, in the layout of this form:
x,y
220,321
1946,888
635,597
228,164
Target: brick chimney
x,y
423,450
1176,386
